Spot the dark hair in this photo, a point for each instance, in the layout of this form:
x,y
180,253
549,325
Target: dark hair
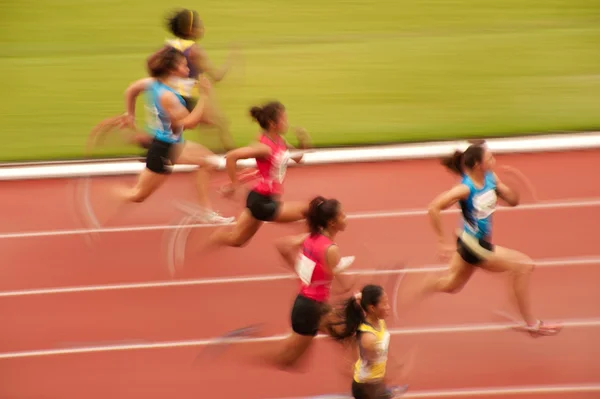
x,y
473,155
354,313
163,61
320,212
268,113
182,22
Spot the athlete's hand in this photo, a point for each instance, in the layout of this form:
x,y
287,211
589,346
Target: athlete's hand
x,y
204,85
303,137
127,121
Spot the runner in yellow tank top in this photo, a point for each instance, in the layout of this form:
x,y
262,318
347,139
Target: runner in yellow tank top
x,y
186,27
373,342
363,317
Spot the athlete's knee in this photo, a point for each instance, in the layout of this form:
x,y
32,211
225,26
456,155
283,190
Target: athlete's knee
x,y
138,197
449,284
238,241
525,266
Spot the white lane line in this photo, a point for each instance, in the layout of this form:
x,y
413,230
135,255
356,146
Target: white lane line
x,y
460,328
473,392
539,263
549,205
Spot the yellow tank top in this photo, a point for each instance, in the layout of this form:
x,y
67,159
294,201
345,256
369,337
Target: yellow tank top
x,y
376,371
185,86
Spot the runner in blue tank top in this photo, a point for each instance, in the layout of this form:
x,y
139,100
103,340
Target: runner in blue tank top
x,y
477,195
167,119
478,207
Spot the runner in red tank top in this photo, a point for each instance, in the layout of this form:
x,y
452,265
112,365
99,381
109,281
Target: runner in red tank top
x,y
263,202
316,259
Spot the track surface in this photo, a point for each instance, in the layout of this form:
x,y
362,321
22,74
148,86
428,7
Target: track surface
x,y
386,205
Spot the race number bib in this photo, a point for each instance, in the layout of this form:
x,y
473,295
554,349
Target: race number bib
x,y
280,164
305,268
485,204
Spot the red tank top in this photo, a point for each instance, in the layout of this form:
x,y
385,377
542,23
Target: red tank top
x,y
272,169
315,280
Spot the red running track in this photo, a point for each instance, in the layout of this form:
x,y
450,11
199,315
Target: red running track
x,y
564,287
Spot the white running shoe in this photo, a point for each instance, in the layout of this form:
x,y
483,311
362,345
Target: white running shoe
x,y
203,215
213,217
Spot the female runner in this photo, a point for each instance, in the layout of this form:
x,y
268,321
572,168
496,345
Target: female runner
x,y
168,118
477,195
187,28
263,202
364,318
316,259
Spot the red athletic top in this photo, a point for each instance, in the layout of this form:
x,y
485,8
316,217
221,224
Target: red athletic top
x,y
271,170
315,280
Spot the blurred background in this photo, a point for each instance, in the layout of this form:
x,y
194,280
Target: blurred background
x,y
350,71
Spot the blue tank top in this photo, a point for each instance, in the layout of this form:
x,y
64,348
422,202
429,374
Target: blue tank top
x,y
158,122
478,207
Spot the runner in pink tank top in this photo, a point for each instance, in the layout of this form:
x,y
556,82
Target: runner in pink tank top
x,y
272,168
263,203
316,259
311,267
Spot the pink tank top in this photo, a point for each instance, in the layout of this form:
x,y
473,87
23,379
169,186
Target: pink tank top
x,y
315,280
273,168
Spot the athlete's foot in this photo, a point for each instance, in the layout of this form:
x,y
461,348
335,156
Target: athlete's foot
x,y
540,329
204,215
214,217
397,391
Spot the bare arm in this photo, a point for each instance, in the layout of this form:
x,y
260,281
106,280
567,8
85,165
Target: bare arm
x,y
368,343
199,57
180,117
289,247
442,202
506,193
133,91
257,150
304,141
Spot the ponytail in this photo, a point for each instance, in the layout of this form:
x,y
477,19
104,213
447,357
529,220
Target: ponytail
x,y
353,316
354,311
454,163
267,114
473,155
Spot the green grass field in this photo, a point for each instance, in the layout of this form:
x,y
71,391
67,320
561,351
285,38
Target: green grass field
x,y
350,71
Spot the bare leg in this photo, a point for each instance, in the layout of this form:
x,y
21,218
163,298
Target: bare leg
x,y
245,228
520,267
195,154
214,117
148,182
452,282
291,212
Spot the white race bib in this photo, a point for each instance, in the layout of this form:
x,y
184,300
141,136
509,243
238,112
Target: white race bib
x,y
280,164
485,204
305,268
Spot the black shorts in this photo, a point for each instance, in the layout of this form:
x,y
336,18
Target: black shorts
x,y
262,207
472,252
376,390
160,157
306,315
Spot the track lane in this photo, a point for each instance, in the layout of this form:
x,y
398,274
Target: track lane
x,y
444,362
